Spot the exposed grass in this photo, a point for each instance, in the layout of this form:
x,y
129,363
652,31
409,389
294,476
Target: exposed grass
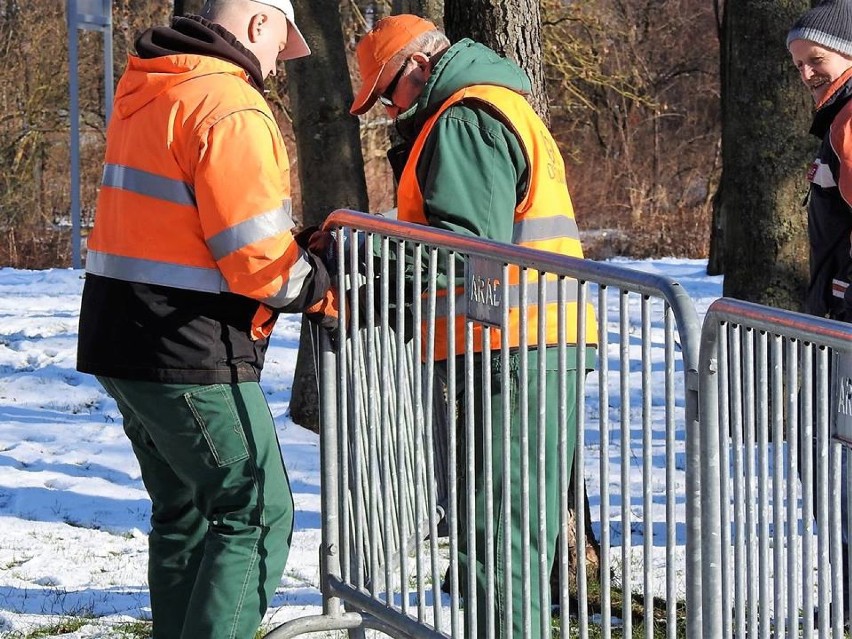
x,y
636,608
133,630
64,627
125,630
71,624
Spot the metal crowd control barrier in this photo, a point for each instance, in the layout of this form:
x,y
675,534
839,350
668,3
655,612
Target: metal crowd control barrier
x,y
394,458
776,403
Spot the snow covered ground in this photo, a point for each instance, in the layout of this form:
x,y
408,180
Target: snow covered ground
x,y
73,511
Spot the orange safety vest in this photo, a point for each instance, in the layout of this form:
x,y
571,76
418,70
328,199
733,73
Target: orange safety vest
x,y
171,212
544,220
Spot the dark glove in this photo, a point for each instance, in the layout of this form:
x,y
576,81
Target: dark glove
x,y
320,243
303,237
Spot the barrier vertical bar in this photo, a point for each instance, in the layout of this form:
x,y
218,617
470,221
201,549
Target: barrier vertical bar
x,y
329,465
806,447
373,470
427,485
836,552
354,481
564,477
452,444
762,397
430,423
405,431
671,497
386,501
624,406
724,435
488,466
508,506
470,443
821,427
647,451
737,428
713,478
603,391
779,581
750,546
543,584
792,491
523,409
580,460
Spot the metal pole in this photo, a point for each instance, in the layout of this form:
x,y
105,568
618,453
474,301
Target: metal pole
x,y
109,79
74,124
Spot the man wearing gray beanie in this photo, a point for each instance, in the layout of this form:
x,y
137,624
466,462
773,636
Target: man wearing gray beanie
x,y
820,44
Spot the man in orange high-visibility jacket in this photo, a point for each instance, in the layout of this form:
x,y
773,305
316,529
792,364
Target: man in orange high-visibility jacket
x,y
191,259
477,160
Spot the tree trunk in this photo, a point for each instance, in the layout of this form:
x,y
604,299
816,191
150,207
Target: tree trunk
x,y
328,145
716,259
430,9
513,29
765,152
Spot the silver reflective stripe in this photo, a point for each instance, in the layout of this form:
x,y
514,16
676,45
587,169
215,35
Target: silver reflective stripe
x,y
149,184
551,292
291,289
134,269
548,228
258,228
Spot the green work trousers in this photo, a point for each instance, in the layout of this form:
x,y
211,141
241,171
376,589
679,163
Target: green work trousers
x,y
523,593
222,510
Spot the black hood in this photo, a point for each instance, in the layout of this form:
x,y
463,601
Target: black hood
x,y
197,36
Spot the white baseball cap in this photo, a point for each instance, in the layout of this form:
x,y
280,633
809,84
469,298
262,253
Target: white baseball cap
x,y
296,45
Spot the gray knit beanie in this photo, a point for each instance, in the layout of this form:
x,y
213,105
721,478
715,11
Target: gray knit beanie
x,y
828,24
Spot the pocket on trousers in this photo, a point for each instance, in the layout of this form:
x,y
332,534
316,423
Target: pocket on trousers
x,y
216,415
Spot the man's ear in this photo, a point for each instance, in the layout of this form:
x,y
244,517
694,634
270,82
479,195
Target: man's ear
x,y
422,60
256,25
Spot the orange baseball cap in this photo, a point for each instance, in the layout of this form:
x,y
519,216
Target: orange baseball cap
x,y
374,51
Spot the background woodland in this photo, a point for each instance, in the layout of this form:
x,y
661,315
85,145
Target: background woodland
x,y
633,90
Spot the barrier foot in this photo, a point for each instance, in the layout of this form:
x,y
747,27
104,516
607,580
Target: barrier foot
x,y
315,623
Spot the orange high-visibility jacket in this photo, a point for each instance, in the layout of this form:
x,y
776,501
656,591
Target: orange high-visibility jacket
x,y
544,220
172,209
192,228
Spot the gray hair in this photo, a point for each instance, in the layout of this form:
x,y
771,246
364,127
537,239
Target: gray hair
x,y
430,42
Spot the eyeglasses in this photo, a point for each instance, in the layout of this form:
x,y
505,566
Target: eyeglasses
x,y
386,97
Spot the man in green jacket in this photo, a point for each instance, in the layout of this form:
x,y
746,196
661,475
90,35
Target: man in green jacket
x,y
478,161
